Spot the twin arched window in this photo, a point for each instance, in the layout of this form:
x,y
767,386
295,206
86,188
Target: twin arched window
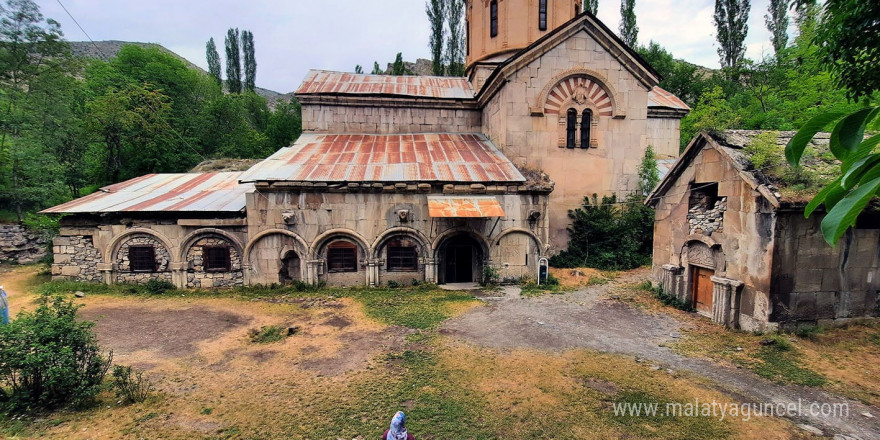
x,y
571,126
493,19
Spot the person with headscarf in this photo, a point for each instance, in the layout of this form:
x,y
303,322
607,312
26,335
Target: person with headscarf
x,y
397,431
4,307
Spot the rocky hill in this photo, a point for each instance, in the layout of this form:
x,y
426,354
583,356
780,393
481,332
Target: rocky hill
x,y
109,49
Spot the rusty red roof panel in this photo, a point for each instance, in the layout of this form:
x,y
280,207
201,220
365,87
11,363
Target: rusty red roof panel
x,y
322,82
658,97
192,192
426,157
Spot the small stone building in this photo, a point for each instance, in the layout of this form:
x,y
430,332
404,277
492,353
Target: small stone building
x,y
732,241
402,178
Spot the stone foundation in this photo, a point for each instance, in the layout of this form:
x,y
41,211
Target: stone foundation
x,y
123,269
197,276
76,258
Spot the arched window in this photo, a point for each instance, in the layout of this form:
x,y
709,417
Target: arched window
x,y
586,123
542,15
570,127
403,256
493,19
342,256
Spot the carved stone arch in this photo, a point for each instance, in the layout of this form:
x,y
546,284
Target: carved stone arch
x,y
117,242
195,236
585,86
304,247
482,241
703,252
319,243
376,248
534,237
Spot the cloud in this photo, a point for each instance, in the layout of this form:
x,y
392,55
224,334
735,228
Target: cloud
x,y
295,36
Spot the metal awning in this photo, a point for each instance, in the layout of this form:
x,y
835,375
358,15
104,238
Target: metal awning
x,y
464,207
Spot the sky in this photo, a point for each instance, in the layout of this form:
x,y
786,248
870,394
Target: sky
x,y
293,36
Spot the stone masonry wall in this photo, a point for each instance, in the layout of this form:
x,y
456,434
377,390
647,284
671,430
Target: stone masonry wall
x,y
351,119
19,245
76,258
707,221
196,275
163,258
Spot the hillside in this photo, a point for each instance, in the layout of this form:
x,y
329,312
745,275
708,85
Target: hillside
x,y
109,49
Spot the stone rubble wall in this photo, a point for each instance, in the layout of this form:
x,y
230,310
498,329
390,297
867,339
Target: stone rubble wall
x,y
20,245
163,259
196,275
706,221
76,258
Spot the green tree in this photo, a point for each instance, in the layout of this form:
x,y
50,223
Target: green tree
x,y
30,49
591,6
455,44
213,61
399,67
777,23
376,69
713,113
435,9
233,61
250,60
359,69
846,39
679,77
649,174
285,124
629,30
731,26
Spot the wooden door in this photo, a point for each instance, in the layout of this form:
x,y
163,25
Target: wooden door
x,y
702,289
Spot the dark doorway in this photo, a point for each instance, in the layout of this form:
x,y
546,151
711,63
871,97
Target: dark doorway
x,y
290,268
461,257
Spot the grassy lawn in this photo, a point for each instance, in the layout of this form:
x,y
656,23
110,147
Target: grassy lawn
x,y
358,356
844,360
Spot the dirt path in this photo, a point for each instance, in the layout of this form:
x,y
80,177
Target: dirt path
x,y
592,318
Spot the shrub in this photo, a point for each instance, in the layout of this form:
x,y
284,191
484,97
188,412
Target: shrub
x,y
667,298
393,284
131,387
267,334
491,277
158,287
49,359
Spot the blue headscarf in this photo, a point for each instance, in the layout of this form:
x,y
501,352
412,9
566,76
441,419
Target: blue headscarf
x,y
4,307
398,427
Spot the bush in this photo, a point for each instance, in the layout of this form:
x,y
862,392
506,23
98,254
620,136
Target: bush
x,y
158,287
131,388
393,284
49,359
491,277
267,334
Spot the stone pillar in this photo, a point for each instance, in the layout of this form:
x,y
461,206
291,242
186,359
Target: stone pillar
x,y
372,273
106,270
178,273
430,270
725,301
313,269
669,280
246,274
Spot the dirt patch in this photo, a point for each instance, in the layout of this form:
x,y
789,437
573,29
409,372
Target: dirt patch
x,y
166,333
358,349
576,277
338,322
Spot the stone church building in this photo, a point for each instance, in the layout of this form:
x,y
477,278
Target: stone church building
x,y
402,178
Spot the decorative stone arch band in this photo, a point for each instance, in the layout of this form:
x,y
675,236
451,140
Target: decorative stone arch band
x,y
117,242
195,236
538,243
347,234
304,247
423,241
482,241
584,86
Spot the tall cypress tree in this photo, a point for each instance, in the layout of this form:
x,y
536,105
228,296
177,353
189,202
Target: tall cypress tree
x,y
455,43
233,61
436,16
592,6
777,24
731,17
250,60
629,30
376,69
213,61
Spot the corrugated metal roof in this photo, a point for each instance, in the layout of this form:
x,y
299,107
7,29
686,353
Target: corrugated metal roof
x,y
193,192
322,82
483,206
658,97
421,157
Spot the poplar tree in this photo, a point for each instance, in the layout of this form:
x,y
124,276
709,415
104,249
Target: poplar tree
x,y
376,69
213,61
250,60
731,17
592,6
358,69
629,31
455,43
398,68
233,61
436,17
777,24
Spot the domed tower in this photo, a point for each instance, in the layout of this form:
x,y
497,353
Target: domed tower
x,y
496,28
